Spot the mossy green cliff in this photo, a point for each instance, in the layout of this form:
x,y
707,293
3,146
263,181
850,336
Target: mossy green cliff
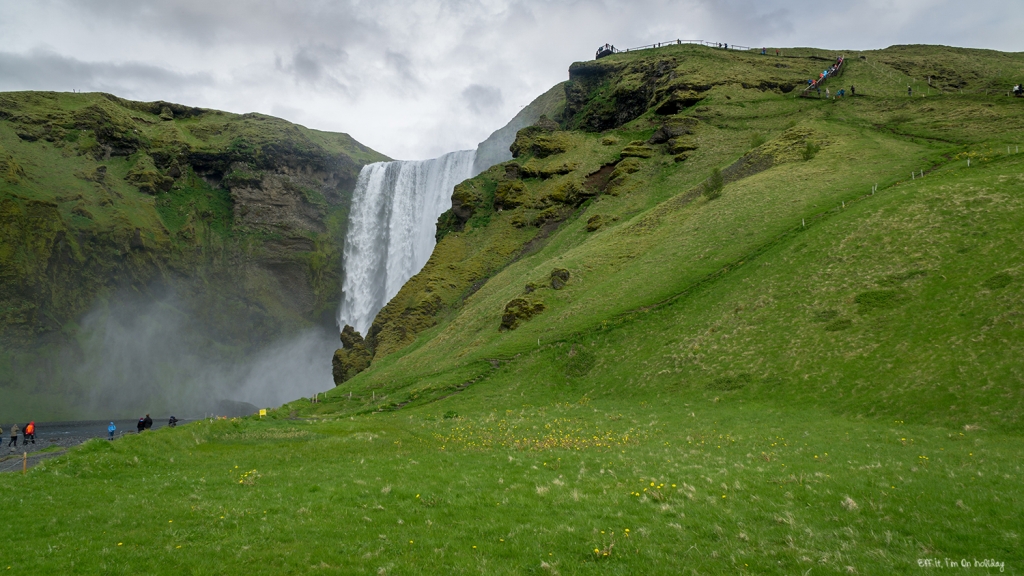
x,y
671,170
242,217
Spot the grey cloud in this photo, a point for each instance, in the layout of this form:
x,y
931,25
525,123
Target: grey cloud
x,y
314,64
234,21
403,66
46,70
482,99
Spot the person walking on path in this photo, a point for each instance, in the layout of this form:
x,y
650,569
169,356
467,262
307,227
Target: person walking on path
x,y
853,91
30,432
141,425
172,421
14,436
148,422
110,431
910,92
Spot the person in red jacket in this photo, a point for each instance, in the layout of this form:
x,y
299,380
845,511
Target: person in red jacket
x,y
30,432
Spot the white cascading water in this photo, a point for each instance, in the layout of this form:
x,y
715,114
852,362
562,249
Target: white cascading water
x,y
391,229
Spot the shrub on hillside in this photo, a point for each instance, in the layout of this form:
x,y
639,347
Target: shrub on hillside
x,y
810,150
714,184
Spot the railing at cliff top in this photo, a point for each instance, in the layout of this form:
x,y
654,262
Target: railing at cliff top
x,y
721,45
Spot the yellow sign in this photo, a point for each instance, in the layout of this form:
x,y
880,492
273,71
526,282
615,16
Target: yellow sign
x,y
263,412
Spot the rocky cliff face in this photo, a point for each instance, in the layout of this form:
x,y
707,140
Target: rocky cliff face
x,y
241,217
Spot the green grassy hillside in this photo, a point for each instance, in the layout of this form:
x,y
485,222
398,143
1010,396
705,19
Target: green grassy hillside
x,y
611,366
240,217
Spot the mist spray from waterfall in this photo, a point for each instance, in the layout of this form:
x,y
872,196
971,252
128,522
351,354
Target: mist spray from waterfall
x,y
391,229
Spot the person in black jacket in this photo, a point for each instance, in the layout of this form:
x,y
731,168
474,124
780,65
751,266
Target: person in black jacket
x,y
141,425
148,422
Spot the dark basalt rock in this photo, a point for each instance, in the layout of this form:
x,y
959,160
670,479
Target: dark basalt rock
x,y
559,277
673,128
519,310
353,358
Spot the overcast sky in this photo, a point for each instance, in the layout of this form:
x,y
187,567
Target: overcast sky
x,y
416,79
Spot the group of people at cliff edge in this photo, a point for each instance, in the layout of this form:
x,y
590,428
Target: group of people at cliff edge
x,y
28,432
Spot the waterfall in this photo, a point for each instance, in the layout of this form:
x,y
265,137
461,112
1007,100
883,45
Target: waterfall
x,y
391,229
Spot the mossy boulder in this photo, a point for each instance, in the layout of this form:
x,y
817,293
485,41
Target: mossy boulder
x,y
513,171
680,145
569,192
637,151
352,358
519,310
673,128
555,213
595,222
510,194
534,169
629,165
559,277
540,140
467,198
522,218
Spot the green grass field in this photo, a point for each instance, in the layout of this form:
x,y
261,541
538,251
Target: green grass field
x,y
817,372
550,481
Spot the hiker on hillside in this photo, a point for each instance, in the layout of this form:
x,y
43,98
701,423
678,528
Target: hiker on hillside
x,y
30,432
141,425
148,422
853,91
14,436
172,422
110,431
910,91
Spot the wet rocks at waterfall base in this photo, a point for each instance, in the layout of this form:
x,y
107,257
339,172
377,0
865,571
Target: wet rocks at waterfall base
x,y
352,358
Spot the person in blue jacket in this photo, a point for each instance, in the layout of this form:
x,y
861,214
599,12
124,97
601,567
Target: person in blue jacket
x,y
110,431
